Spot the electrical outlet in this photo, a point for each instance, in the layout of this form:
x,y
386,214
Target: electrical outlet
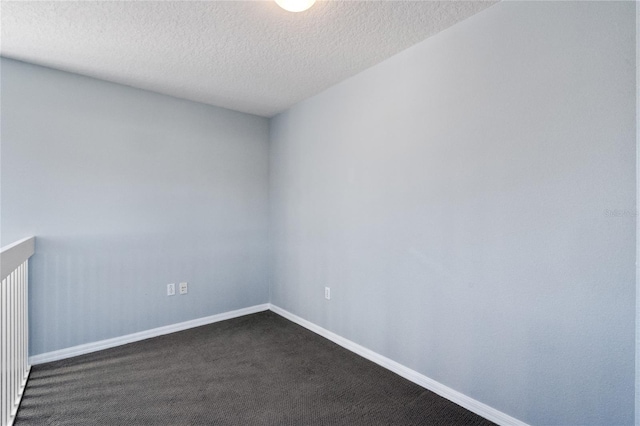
x,y
183,288
171,289
327,293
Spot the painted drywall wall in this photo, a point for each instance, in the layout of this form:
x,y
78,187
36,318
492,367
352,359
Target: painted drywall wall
x,y
637,213
470,203
127,191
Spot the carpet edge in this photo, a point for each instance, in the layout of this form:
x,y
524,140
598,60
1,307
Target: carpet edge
x,y
142,335
444,391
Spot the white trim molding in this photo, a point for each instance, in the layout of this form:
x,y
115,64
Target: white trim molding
x,y
464,401
12,255
142,335
452,395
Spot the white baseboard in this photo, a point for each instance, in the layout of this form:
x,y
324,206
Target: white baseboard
x,y
142,335
469,403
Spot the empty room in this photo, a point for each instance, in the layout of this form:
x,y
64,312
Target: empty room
x,y
300,212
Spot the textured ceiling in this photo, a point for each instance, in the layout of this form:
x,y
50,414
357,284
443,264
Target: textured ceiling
x,y
249,56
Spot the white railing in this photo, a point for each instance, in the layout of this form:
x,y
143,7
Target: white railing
x,y
14,326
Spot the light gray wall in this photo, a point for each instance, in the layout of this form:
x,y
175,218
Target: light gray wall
x,y
637,212
128,191
470,203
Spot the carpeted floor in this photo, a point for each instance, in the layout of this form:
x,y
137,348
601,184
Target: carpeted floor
x,y
259,369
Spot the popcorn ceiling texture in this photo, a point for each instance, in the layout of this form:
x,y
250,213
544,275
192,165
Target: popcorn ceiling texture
x,y
249,56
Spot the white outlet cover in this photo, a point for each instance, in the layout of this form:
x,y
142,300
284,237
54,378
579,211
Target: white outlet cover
x,y
171,289
184,288
327,293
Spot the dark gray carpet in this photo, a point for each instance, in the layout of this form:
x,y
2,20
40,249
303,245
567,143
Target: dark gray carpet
x,y
259,369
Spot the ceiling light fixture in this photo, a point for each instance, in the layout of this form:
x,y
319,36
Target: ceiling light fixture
x,y
295,5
